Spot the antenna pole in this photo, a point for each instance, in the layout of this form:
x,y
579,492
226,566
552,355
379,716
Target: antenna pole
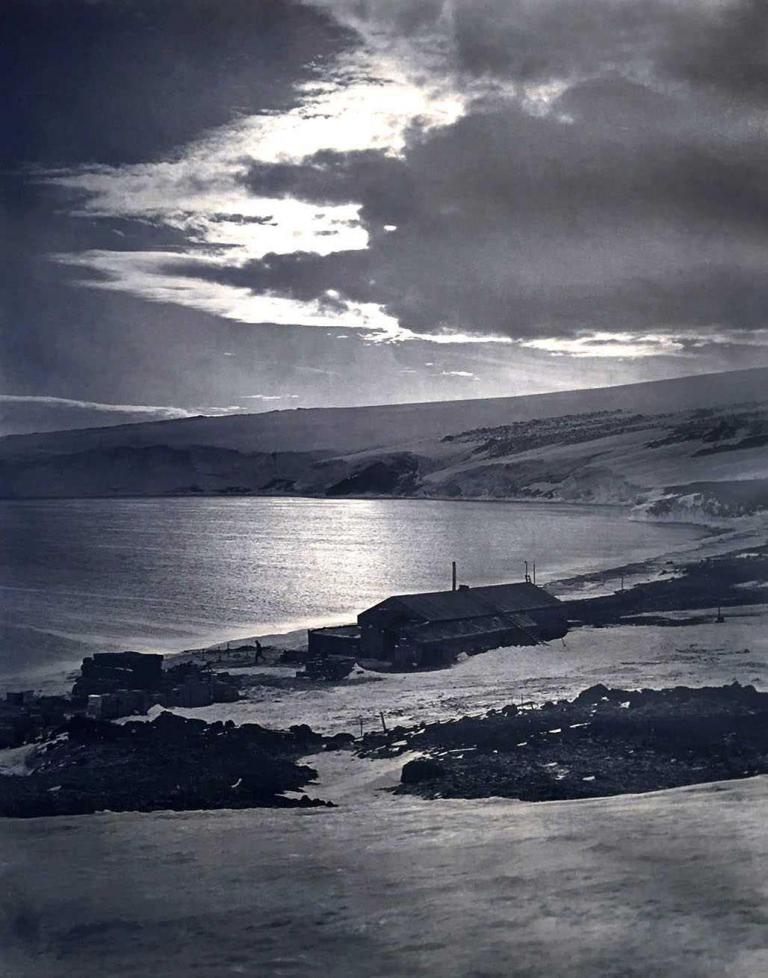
x,y
453,575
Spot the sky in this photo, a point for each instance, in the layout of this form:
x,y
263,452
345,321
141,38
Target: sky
x,y
220,206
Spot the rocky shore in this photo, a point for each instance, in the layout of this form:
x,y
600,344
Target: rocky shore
x,y
604,742
601,742
731,579
171,763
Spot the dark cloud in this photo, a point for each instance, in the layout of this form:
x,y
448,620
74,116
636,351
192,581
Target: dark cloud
x,y
608,176
118,81
536,40
301,275
629,202
718,45
724,50
617,209
382,183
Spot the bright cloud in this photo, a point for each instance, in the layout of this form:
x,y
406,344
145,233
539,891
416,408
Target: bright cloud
x,y
369,104
141,273
271,397
157,411
603,344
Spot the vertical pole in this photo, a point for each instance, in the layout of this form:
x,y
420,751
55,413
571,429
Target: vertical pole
x,y
453,575
534,572
383,724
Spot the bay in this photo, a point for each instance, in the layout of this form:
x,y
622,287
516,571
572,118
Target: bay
x,y
78,576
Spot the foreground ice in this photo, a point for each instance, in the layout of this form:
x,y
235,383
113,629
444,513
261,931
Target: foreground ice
x,y
655,885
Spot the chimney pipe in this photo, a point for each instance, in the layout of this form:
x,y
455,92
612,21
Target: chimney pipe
x,y
453,575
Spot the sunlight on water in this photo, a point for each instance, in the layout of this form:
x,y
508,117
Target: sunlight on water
x,y
84,575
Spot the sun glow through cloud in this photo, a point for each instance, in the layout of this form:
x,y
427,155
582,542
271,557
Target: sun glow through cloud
x,y
432,195
370,104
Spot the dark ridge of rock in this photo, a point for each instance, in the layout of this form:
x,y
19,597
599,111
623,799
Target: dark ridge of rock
x,y
571,429
171,763
729,580
420,770
594,694
149,469
393,474
339,741
604,742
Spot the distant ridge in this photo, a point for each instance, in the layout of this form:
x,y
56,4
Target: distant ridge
x,y
351,429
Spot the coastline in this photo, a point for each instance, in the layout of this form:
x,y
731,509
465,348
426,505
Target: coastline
x,y
627,508
269,869
715,539
210,632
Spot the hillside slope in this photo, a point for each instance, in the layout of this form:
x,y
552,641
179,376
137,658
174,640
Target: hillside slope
x,y
671,447
343,430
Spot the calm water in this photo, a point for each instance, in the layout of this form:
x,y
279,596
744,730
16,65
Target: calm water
x,y
78,576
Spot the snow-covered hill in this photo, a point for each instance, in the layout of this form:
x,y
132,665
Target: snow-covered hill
x,y
673,448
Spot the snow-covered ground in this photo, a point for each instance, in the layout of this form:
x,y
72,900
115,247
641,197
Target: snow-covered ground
x,y
13,760
667,884
651,886
628,656
630,445
376,426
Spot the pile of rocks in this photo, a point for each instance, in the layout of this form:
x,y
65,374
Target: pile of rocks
x,y
330,668
171,763
605,742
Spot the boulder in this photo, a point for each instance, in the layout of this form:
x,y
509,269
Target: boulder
x,y
594,694
420,770
339,741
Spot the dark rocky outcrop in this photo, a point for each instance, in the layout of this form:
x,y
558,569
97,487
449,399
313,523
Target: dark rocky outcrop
x,y
604,742
420,770
339,741
727,580
394,474
170,763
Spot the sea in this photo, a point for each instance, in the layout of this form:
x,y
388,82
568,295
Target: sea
x,y
165,575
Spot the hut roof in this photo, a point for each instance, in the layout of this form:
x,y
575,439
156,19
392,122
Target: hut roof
x,y
469,602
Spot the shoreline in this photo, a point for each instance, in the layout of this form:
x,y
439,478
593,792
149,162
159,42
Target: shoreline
x,y
651,568
370,497
711,539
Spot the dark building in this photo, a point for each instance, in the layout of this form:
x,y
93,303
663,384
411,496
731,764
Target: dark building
x,y
335,640
411,630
